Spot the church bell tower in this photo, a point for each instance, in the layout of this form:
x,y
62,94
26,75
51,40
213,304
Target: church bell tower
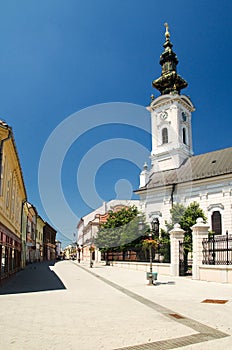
x,y
170,115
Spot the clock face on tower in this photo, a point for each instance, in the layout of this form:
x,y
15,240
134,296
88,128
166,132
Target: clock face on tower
x,y
163,115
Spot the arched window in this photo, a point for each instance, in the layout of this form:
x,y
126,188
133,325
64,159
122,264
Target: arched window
x,y
165,135
216,222
184,136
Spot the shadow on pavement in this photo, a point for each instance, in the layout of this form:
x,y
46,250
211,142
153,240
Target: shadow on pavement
x,y
35,277
160,283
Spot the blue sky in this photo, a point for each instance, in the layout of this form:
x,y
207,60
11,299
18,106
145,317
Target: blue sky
x,y
59,57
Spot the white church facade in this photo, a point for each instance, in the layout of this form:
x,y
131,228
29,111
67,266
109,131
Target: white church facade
x,y
176,175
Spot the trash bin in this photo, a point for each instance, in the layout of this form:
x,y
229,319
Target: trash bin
x,y
152,275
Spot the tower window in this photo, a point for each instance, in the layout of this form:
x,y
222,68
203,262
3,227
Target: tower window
x,y
165,135
216,222
184,136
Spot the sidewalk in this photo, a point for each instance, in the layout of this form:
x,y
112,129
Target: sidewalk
x,y
180,297
72,306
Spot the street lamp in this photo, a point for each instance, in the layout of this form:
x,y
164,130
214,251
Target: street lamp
x,y
148,243
79,253
150,276
140,226
91,250
155,227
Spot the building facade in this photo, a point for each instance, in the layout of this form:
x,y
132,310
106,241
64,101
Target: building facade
x,y
39,238
49,242
12,197
31,233
176,175
88,227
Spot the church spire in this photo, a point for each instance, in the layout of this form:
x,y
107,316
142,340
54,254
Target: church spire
x,y
170,81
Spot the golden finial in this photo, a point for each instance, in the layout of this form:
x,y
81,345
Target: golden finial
x,y
167,34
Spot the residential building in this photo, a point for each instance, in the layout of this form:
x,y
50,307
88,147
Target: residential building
x,y
88,227
24,234
49,242
58,250
31,233
12,197
39,238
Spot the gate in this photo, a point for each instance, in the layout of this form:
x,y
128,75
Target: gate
x,y
185,263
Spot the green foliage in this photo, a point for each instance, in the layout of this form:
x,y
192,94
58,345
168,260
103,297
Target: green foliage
x,y
149,243
177,211
121,217
120,229
190,216
186,217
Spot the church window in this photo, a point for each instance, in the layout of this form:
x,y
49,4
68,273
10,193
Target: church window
x,y
184,136
165,135
216,222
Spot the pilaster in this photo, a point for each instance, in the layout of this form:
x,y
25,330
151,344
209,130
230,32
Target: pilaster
x,y
199,231
176,236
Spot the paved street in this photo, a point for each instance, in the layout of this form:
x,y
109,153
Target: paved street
x,y
70,306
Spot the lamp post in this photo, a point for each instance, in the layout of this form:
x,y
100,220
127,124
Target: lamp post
x,y
79,253
149,274
155,227
91,249
150,277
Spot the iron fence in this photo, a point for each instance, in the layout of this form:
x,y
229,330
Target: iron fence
x,y
160,254
217,250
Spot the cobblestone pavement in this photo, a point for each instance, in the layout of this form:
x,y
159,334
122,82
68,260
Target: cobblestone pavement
x,y
70,306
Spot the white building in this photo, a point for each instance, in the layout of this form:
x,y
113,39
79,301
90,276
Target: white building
x,y
176,175
89,224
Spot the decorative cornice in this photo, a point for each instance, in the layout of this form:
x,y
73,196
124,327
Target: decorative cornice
x,y
215,206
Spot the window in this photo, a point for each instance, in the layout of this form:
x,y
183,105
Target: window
x,y
216,222
165,135
8,194
184,136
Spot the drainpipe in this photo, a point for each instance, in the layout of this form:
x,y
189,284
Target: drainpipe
x,y
172,193
1,155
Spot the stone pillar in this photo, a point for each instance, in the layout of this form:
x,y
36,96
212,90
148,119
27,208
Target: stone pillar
x,y
199,231
176,236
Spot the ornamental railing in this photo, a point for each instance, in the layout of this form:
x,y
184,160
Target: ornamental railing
x,y
159,254
217,250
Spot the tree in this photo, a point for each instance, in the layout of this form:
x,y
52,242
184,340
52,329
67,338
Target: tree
x,y
120,230
186,217
190,216
177,211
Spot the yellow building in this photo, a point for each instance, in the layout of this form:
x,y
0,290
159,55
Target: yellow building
x,y
12,197
39,238
31,233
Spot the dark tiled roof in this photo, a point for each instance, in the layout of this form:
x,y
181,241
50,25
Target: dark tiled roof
x,y
195,168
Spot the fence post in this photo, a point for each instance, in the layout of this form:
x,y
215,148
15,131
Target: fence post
x,y
199,231
176,236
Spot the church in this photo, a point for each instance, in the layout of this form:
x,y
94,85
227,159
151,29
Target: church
x,y
176,174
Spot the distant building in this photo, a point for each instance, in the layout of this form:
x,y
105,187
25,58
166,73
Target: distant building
x,y
39,238
31,233
58,248
49,242
88,227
